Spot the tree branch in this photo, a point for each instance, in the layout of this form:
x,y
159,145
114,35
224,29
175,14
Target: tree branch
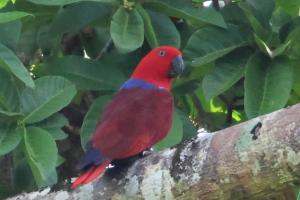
x,y
227,164
216,4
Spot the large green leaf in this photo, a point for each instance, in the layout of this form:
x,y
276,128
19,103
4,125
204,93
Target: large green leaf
x,y
186,10
9,97
51,94
127,30
10,61
159,29
292,7
65,2
91,118
41,154
210,43
267,84
86,74
70,18
227,72
9,139
11,16
174,136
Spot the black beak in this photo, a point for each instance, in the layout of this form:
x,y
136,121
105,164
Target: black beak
x,y
177,67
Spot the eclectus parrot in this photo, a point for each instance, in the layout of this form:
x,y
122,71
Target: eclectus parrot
x,y
139,115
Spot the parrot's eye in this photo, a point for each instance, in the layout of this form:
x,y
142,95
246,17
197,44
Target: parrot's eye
x,y
162,53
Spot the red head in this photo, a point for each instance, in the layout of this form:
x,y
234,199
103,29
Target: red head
x,y
160,66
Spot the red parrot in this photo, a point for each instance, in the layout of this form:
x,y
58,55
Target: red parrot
x,y
138,116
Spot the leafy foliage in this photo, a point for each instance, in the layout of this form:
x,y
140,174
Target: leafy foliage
x,y
61,60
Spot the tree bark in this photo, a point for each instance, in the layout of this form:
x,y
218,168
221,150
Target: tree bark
x,y
228,164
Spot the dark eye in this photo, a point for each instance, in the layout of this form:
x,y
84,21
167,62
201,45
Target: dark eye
x,y
162,53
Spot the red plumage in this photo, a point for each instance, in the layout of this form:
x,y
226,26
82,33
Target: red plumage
x,y
140,119
139,115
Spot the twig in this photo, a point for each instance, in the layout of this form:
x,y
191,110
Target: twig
x,y
104,49
216,4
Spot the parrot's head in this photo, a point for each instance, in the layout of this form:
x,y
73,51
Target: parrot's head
x,y
160,66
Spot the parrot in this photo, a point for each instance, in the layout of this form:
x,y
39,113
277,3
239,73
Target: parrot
x,y
139,115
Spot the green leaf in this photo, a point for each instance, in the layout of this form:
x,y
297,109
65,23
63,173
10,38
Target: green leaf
x,y
51,94
159,29
262,11
60,160
189,130
9,60
3,3
127,30
233,14
149,30
11,16
267,84
271,53
259,15
65,2
23,177
9,139
41,154
56,120
91,118
53,125
292,7
9,97
174,136
287,29
186,10
210,43
85,73
296,86
227,72
6,36
70,18
56,133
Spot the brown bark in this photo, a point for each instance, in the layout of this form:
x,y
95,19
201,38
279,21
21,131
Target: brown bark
x,y
228,164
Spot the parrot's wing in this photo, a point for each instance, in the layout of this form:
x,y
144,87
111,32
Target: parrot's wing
x,y
134,120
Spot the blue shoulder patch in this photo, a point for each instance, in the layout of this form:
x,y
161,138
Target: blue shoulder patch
x,y
134,83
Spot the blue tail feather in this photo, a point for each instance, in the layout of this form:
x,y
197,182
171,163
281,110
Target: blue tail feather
x,y
91,157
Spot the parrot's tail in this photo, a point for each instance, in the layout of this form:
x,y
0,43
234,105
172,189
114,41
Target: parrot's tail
x,y
90,174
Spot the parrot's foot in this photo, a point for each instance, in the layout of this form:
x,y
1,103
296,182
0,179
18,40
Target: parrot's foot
x,y
147,152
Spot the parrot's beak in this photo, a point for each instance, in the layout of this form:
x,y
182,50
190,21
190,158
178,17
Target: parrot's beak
x,y
177,67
